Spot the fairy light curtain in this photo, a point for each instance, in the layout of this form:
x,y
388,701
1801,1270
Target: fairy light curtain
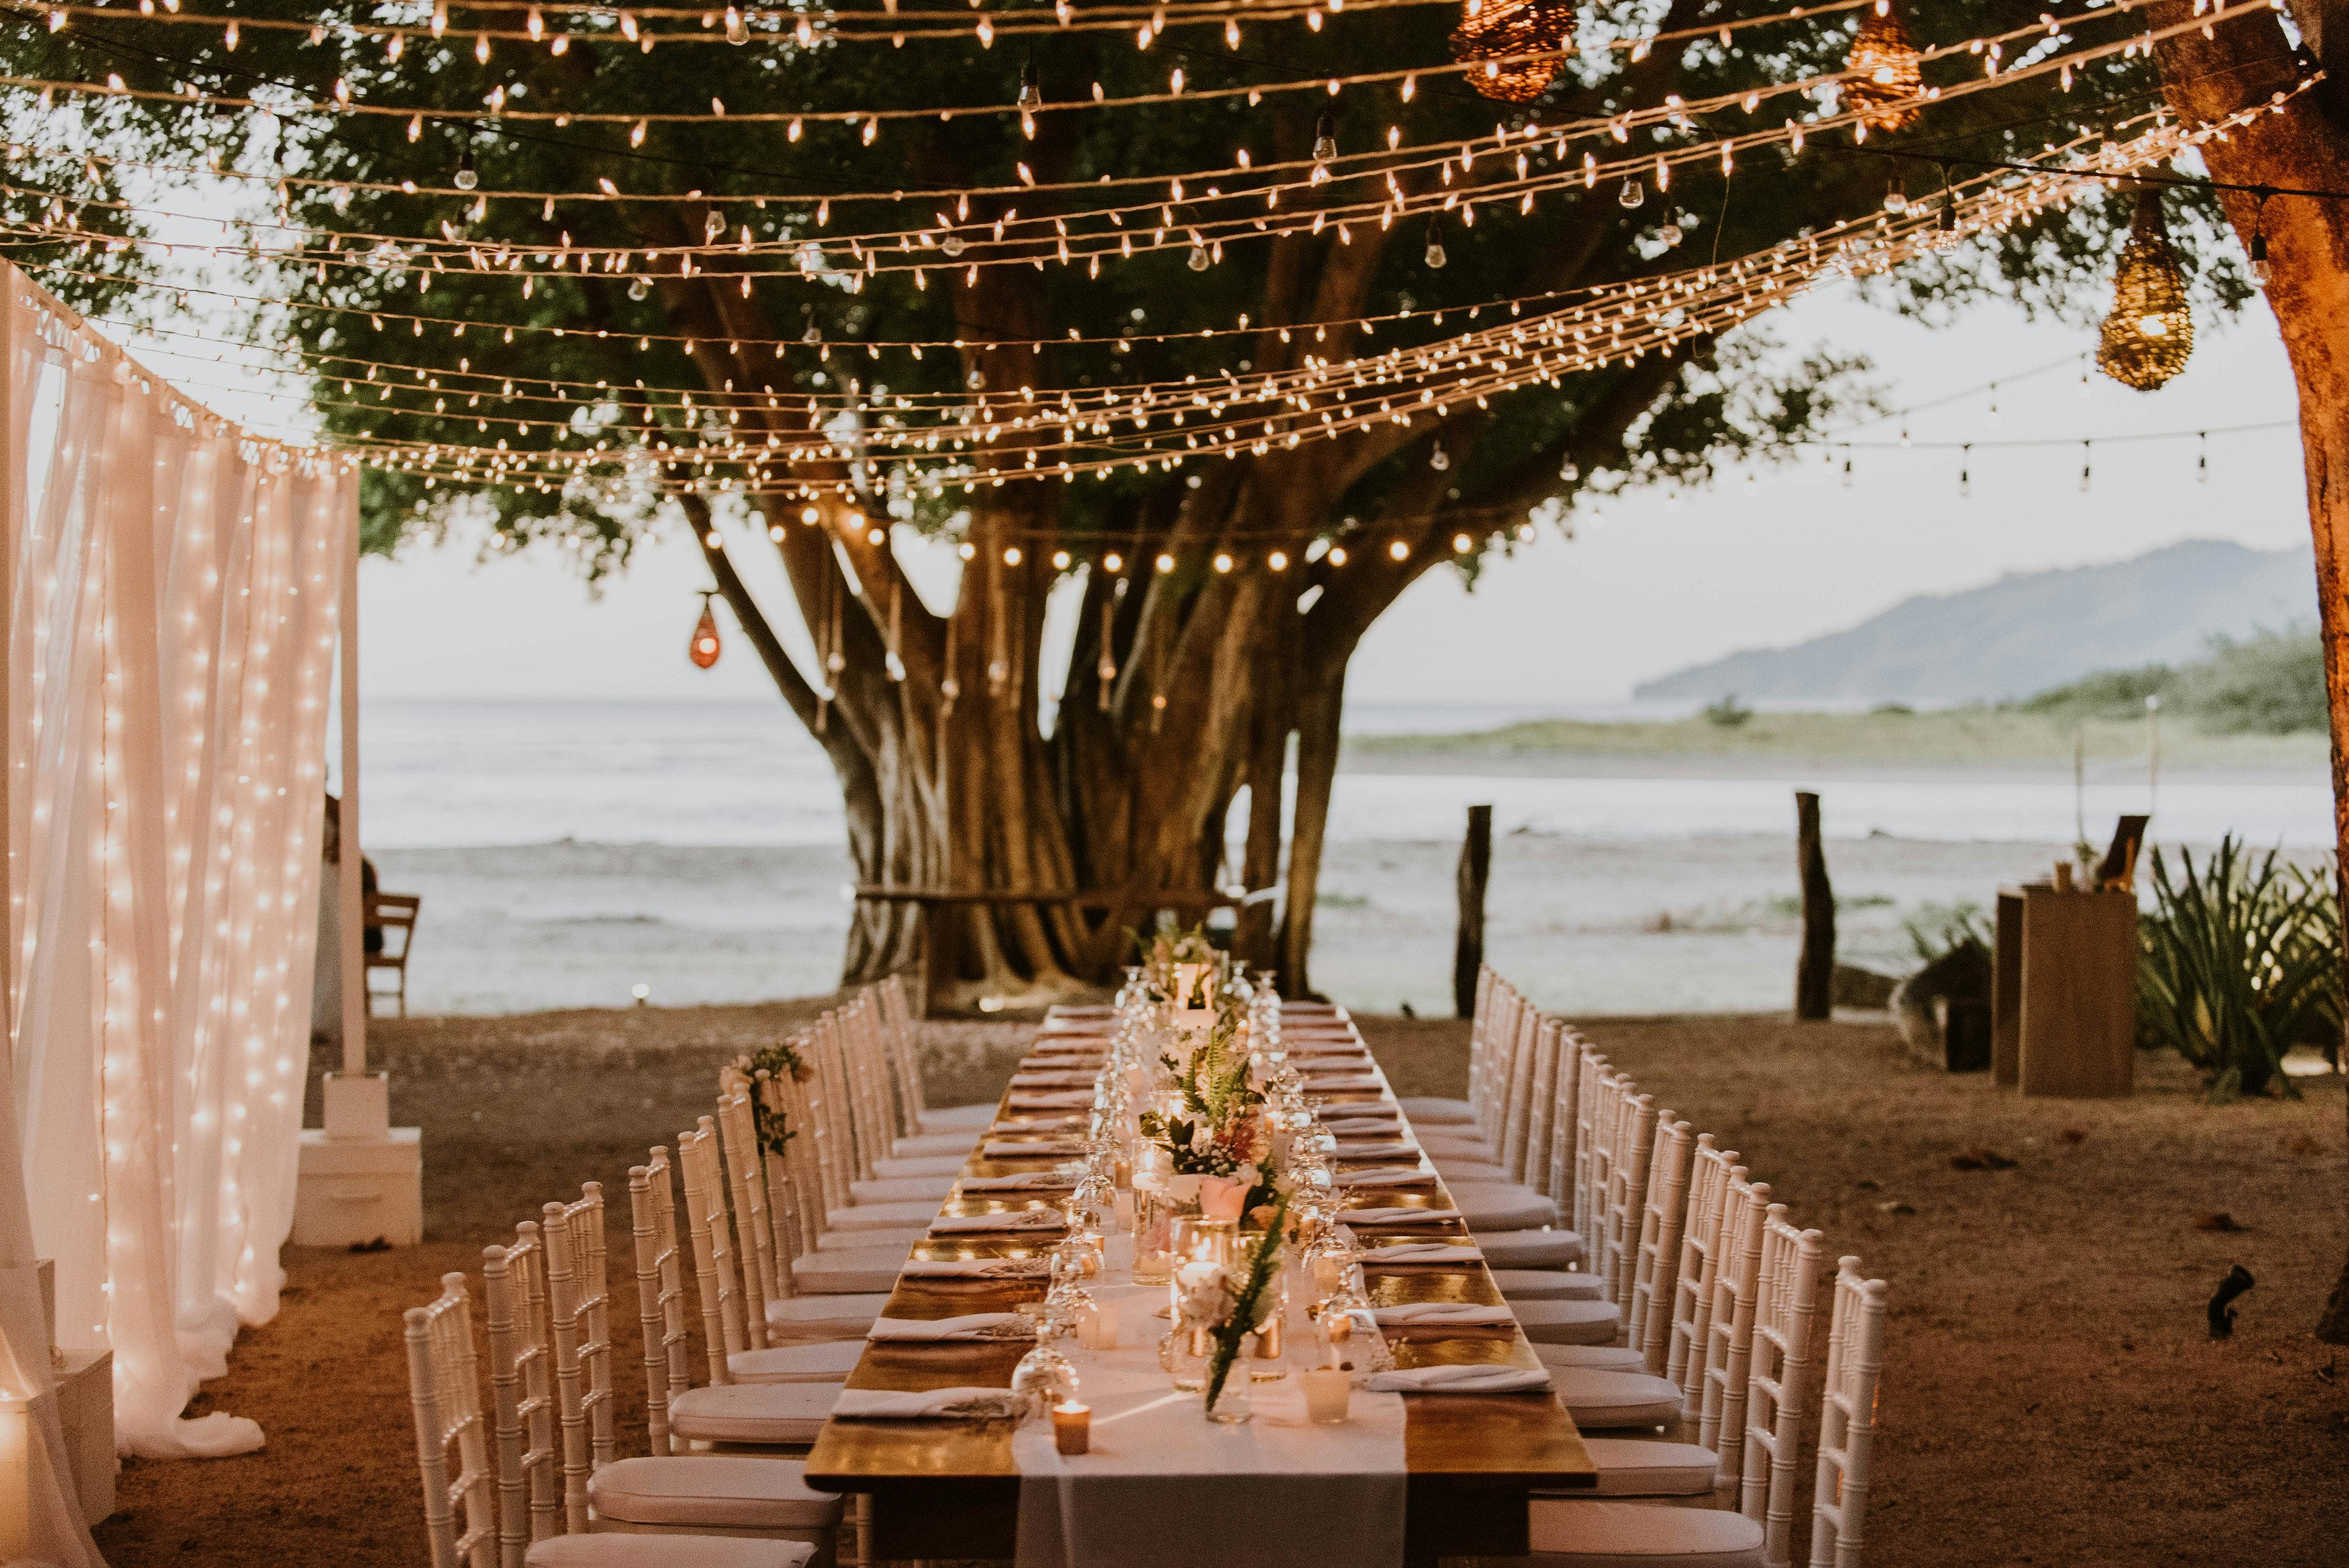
x,y
171,642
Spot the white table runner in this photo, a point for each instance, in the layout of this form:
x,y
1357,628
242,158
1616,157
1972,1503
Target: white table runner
x,y
1164,1486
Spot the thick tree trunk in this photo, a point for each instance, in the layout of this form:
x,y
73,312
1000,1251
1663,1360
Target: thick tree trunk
x,y
2305,145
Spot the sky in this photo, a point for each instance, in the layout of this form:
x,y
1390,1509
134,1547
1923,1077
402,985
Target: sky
x,y
1566,625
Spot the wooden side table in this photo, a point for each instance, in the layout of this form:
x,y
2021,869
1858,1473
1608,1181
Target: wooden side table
x,y
2063,991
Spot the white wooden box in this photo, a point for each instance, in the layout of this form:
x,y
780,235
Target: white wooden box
x,y
352,1190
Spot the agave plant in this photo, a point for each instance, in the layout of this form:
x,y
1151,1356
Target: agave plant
x,y
2240,962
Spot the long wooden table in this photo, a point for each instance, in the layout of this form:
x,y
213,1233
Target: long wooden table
x,y
950,1488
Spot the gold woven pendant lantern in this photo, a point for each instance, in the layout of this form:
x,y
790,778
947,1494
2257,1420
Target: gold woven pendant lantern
x,y
2150,331
1886,72
1494,30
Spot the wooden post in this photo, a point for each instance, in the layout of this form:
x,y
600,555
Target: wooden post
x,y
1815,970
1476,870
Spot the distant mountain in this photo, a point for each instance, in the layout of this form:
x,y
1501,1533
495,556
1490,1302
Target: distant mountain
x,y
2023,633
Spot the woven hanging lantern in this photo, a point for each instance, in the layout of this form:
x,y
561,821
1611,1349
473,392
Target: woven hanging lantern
x,y
703,649
1886,73
1495,30
2150,331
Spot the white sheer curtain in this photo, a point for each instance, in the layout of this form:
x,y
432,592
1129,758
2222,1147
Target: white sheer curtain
x,y
170,643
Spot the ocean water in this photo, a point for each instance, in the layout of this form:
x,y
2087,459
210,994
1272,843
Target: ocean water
x,y
455,774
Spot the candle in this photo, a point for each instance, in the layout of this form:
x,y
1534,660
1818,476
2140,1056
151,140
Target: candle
x,y
1072,1427
1329,1272
1097,1327
1328,1393
1121,1206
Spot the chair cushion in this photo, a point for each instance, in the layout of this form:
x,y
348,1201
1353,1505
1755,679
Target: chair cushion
x,y
1530,1249
745,1491
959,1118
919,1165
827,1362
789,1414
1463,1141
1454,1168
1539,1285
1430,1111
898,1216
1592,1357
898,1238
1633,1467
853,1271
1501,1206
1568,1322
666,1551
1641,1535
1614,1399
949,1142
932,1189
829,1317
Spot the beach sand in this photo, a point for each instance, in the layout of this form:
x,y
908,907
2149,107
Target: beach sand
x,y
2050,1396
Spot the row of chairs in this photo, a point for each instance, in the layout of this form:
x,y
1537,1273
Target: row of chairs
x,y
788,1249
1691,1316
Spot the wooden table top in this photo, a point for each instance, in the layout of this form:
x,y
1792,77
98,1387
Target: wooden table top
x,y
1509,1441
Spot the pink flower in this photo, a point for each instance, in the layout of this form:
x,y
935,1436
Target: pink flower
x,y
1222,1196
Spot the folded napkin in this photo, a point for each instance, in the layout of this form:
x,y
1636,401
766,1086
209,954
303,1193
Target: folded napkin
x,y
1395,1216
1434,1314
1038,1148
1008,1220
1049,1099
1388,1175
1335,1083
1025,1181
1477,1379
1047,1057
1424,1252
970,1325
1336,1117
1017,1125
1364,1149
1055,1078
979,1268
966,1404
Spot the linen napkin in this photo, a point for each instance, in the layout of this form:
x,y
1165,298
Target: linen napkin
x,y
1055,1078
1038,1124
970,1325
1008,1220
1399,1216
1458,1380
1049,1099
966,1404
1024,1182
1036,1148
979,1268
1335,1116
1423,1252
1337,1083
1389,1176
1440,1314
1366,1148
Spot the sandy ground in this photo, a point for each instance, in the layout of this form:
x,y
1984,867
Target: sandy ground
x,y
1597,926
2051,1394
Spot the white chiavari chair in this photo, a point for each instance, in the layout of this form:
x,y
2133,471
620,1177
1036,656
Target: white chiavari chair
x,y
860,1223
1647,1325
1778,1379
1848,1418
1625,1202
769,1247
1529,1162
1594,1106
726,1333
863,1150
1710,1172
1729,1333
916,1116
1429,1111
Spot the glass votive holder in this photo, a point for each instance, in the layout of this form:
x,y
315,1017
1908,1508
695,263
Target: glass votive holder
x,y
1073,1426
1329,1394
1097,1327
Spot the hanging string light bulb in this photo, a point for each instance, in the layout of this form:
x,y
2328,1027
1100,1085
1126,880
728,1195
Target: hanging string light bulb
x,y
1887,71
1324,137
2260,271
2150,331
1521,43
1031,96
703,650
1435,256
467,177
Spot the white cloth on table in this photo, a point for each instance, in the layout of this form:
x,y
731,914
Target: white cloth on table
x,y
1420,1253
978,1268
1164,1486
961,1403
1474,1379
1444,1315
1398,1216
970,1325
1008,1220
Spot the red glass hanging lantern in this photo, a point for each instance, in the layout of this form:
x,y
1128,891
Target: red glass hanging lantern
x,y
703,649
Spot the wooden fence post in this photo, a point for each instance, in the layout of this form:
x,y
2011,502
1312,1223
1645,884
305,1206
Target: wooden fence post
x,y
1475,869
1815,970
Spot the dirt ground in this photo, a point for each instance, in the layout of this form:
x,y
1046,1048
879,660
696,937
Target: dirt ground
x,y
2050,1393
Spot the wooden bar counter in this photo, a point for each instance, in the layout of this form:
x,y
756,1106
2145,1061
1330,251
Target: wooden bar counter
x,y
950,1488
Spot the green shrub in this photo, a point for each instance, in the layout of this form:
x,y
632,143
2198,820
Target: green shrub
x,y
1936,931
2271,683
2240,962
1729,712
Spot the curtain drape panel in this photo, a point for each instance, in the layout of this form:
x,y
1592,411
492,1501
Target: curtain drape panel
x,y
172,602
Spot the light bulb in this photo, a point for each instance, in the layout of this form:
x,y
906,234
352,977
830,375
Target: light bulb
x,y
814,333
1435,256
1569,471
1671,235
467,176
1200,260
1895,199
1439,460
1031,95
738,31
1399,551
2260,271
1631,194
953,244
1325,139
639,287
713,225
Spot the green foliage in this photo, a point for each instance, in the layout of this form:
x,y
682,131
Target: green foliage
x,y
1936,931
1248,1300
2270,683
779,1060
2240,962
1727,713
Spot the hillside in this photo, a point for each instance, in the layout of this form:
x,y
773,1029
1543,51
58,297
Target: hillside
x,y
2025,633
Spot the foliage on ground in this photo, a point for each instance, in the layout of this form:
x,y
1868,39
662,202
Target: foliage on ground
x,y
2270,683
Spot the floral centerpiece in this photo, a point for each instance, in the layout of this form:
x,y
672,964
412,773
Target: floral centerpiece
x,y
774,1062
